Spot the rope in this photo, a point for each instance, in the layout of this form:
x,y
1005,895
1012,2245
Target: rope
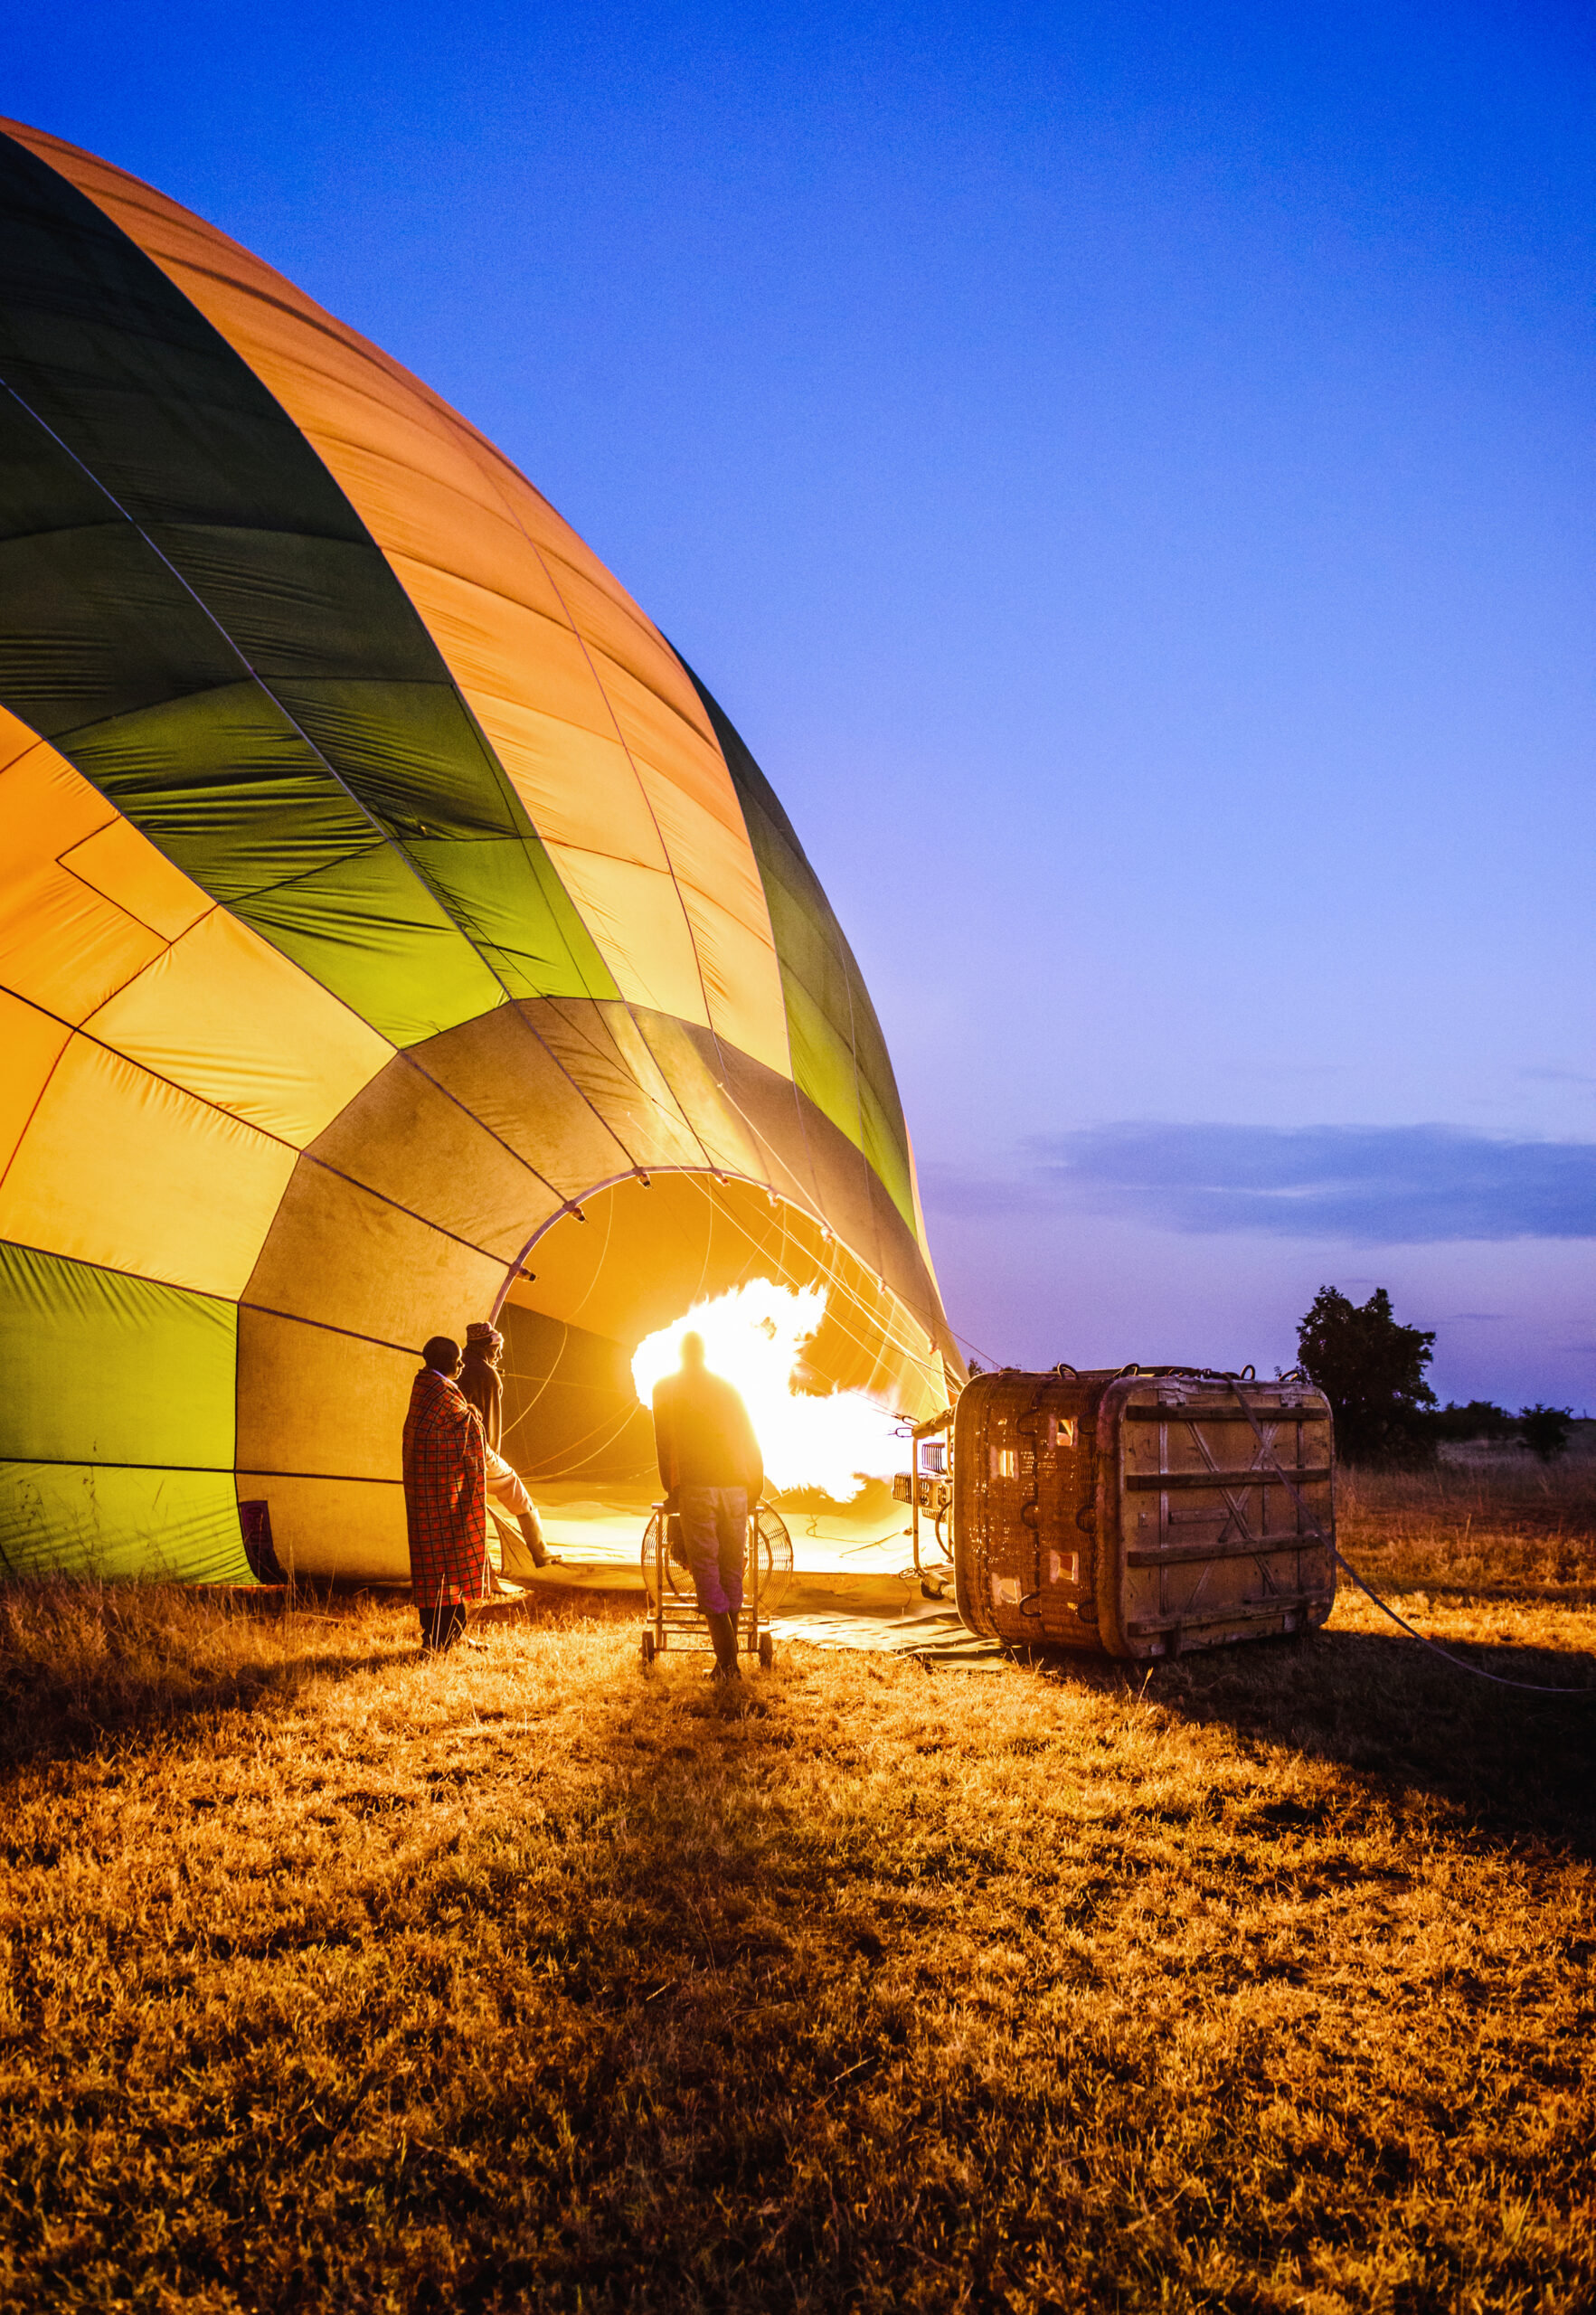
x,y
1461,1663
1530,1687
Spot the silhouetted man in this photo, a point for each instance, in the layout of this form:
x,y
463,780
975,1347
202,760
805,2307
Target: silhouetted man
x,y
713,1472
445,1496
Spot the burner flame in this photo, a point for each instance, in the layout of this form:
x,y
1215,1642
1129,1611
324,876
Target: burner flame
x,y
755,1338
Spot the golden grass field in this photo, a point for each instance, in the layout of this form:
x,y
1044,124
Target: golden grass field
x,y
335,1979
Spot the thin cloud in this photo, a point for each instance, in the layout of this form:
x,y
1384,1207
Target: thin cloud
x,y
1371,1185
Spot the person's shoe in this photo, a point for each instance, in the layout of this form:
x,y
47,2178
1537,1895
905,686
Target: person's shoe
x,y
722,1630
531,1535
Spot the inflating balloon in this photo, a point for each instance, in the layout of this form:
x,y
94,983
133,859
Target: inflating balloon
x,y
393,932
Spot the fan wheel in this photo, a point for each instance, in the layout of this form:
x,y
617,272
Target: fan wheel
x,y
678,1575
767,1534
770,1539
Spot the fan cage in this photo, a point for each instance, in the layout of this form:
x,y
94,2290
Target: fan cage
x,y
767,1534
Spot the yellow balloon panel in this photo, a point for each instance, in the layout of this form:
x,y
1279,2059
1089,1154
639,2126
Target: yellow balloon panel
x,y
603,1054
432,1159
506,649
731,1140
414,508
315,1402
228,1017
364,1266
533,1107
732,960
530,686
601,809
351,1528
636,917
600,609
97,927
678,756
117,1169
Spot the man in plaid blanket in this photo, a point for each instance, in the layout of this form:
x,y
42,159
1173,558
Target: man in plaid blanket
x,y
445,1496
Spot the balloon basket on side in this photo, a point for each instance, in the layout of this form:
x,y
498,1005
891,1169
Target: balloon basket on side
x,y
674,1619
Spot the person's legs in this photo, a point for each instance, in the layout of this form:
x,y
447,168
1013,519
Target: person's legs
x,y
508,1487
700,1545
730,1556
520,1559
732,1543
442,1622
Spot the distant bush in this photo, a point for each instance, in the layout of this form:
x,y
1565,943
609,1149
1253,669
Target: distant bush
x,y
1481,1419
1546,1431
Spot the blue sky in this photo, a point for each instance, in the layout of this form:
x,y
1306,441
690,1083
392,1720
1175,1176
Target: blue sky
x,y
1128,471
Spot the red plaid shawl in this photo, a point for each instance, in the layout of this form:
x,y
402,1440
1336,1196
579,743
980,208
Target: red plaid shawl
x,y
445,1495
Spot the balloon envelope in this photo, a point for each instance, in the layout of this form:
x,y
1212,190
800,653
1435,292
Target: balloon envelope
x,y
393,930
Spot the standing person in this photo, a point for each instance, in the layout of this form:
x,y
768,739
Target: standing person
x,y
713,1472
481,1381
445,1498
483,1385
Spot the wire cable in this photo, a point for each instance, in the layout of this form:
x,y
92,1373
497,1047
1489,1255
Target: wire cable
x,y
1461,1663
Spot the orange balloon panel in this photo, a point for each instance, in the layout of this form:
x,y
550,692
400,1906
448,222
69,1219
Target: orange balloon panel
x,y
32,1043
63,944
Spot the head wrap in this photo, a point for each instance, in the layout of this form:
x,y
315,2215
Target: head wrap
x,y
479,1331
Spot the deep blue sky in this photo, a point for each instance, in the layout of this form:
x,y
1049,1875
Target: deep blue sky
x,y
1127,470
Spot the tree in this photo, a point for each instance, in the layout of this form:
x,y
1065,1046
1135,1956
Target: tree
x,y
1371,1371
1481,1419
1545,1431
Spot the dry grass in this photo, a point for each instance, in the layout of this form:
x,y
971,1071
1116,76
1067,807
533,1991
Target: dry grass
x,y
338,1980
1499,1525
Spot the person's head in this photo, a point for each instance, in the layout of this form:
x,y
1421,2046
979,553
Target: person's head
x,y
483,1343
691,1354
442,1355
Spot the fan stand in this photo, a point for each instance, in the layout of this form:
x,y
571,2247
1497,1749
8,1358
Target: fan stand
x,y
675,1619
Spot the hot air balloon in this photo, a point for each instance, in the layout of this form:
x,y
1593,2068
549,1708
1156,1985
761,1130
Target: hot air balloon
x,y
393,930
